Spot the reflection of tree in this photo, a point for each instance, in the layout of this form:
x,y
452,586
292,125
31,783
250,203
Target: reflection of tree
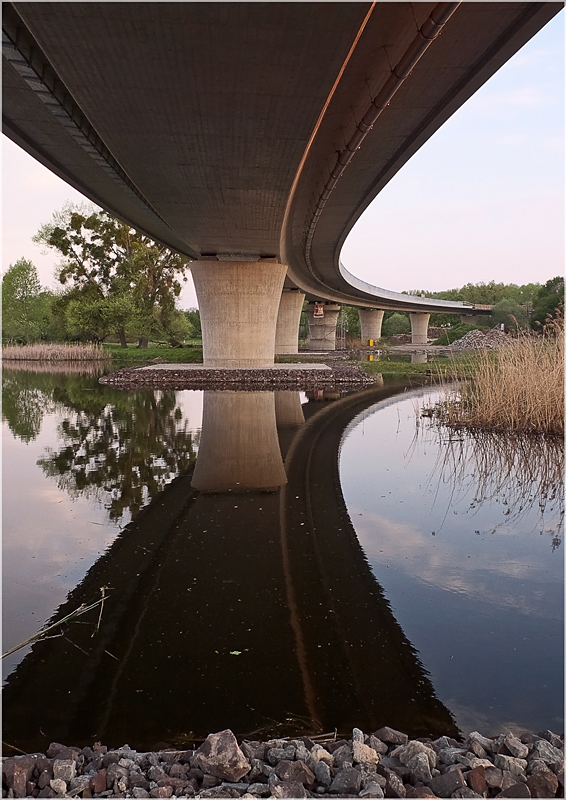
x,y
25,399
524,472
120,447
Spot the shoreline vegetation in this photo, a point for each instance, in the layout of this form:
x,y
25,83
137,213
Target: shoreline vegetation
x,y
515,389
518,388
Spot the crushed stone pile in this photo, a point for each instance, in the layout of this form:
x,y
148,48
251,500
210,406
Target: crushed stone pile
x,y
384,764
476,340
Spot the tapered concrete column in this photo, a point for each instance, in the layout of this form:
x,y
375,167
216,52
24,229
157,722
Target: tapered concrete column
x,y
288,319
322,329
419,327
370,324
238,303
239,447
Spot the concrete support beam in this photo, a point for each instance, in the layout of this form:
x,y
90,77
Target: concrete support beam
x,y
370,324
322,329
238,303
288,319
239,447
419,327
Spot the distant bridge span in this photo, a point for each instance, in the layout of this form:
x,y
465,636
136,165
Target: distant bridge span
x,y
249,136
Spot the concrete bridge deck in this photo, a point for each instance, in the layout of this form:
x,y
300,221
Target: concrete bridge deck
x,y
249,136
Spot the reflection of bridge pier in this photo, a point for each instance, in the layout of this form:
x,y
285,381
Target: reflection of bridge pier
x,y
290,417
239,449
252,610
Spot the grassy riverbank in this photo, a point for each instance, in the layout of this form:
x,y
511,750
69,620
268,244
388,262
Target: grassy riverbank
x,y
134,355
518,388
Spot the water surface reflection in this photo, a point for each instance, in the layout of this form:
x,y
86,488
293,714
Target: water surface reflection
x,y
239,593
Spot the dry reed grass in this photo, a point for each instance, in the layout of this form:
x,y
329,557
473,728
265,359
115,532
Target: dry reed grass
x,y
518,389
55,352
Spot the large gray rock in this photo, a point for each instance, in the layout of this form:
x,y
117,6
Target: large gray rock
x,y
552,738
487,744
357,735
220,755
515,746
377,745
346,781
373,789
391,736
419,765
394,786
294,771
406,753
322,773
65,769
547,752
449,755
445,785
516,766
276,754
342,755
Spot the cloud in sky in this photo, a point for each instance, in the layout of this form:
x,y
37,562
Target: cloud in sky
x,y
482,200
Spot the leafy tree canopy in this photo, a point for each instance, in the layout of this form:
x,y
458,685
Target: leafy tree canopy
x,y
23,308
548,303
119,280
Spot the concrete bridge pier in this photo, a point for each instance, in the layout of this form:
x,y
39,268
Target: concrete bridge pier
x,y
322,318
371,320
288,320
238,303
239,447
419,327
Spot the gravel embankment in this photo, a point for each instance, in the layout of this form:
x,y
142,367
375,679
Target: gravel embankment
x,y
476,340
340,376
383,764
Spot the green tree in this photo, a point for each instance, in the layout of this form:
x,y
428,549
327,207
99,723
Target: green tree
x,y
396,323
548,303
352,319
124,281
511,314
193,316
22,305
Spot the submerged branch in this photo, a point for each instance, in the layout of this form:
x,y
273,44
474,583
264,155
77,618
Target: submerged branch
x,y
82,609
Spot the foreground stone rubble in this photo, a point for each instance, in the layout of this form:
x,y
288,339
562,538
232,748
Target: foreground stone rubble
x,y
383,764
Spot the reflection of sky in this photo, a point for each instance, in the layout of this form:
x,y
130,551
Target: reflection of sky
x,y
50,539
480,597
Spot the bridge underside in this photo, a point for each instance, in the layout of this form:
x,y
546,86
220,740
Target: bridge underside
x,y
219,128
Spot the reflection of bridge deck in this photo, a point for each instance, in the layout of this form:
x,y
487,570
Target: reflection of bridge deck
x,y
255,611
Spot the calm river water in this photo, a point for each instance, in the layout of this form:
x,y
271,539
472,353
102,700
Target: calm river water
x,y
275,563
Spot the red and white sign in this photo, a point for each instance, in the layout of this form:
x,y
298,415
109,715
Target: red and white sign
x,y
318,310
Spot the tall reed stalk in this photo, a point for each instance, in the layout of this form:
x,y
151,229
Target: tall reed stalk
x,y
519,388
54,352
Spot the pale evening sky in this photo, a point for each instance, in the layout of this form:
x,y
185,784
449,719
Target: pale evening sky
x,y
482,200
